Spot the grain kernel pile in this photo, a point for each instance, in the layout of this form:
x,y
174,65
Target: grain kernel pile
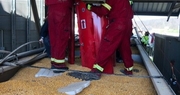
x,y
25,82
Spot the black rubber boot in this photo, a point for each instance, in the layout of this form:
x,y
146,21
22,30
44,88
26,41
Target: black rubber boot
x,y
126,72
59,68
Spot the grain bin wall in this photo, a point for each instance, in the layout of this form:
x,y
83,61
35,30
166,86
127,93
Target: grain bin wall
x,y
167,48
17,25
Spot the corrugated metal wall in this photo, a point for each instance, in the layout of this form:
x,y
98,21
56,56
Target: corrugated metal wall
x,y
17,25
167,48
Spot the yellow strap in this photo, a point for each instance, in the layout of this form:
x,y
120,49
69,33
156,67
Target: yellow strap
x,y
107,6
98,67
129,69
58,61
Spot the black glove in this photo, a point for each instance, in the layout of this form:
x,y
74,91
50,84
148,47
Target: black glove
x,y
87,76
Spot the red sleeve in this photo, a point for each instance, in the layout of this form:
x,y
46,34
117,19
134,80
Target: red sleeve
x,y
100,10
50,2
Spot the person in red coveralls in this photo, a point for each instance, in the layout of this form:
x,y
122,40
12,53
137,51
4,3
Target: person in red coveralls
x,y
116,36
59,20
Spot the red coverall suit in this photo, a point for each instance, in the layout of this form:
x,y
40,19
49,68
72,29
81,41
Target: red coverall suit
x,y
118,33
59,19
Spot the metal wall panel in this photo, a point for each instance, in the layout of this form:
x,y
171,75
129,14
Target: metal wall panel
x,y
159,48
17,23
6,40
5,22
5,6
20,23
5,25
167,48
154,8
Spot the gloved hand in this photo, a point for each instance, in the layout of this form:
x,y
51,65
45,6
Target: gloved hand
x,y
88,6
41,40
87,76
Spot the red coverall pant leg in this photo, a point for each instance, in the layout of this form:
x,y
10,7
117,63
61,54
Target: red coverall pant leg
x,y
59,30
117,36
125,48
